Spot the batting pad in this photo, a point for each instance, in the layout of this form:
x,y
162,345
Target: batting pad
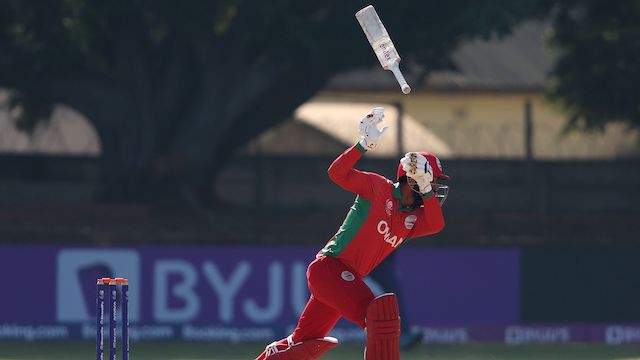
x,y
383,328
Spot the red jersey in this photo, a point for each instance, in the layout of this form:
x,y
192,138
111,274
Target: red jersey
x,y
377,222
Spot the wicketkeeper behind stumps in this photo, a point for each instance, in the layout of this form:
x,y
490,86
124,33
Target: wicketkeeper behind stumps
x,y
384,215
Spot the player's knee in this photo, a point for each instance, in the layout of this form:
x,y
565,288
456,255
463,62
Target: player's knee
x,y
383,309
357,313
355,310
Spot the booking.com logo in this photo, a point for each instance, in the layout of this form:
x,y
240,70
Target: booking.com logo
x,y
77,271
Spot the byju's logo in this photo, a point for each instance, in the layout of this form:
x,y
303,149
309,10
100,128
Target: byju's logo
x,y
77,271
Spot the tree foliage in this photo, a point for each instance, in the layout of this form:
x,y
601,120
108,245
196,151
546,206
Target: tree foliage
x,y
597,76
174,88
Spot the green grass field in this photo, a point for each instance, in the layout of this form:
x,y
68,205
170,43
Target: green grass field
x,y
217,351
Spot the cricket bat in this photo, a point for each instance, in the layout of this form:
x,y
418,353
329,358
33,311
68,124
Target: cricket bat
x,y
381,43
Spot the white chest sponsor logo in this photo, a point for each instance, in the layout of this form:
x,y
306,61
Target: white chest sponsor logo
x,y
409,221
385,230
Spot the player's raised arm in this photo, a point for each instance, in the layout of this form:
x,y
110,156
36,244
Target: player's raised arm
x,y
341,170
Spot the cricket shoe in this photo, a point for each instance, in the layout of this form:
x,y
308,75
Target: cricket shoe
x,y
286,349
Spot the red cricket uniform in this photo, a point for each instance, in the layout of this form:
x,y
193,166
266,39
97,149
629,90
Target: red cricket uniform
x,y
374,227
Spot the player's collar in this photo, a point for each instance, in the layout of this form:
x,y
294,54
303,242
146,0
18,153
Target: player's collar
x,y
396,191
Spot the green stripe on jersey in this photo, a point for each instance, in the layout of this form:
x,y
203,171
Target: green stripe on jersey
x,y
349,228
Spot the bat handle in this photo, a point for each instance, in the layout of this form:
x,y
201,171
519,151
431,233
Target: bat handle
x,y
395,69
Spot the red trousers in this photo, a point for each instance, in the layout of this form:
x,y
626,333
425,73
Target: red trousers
x,y
336,291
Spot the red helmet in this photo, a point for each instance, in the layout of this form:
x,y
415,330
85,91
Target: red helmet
x,y
435,165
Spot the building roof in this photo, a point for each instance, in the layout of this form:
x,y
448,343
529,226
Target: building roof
x,y
326,127
515,62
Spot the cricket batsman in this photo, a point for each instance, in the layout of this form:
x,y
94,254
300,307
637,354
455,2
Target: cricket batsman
x,y
383,216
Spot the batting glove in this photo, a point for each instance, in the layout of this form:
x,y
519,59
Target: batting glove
x,y
419,170
369,130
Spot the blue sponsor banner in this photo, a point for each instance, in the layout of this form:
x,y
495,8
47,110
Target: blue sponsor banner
x,y
238,293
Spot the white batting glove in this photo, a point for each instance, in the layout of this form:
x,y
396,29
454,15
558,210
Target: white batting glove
x,y
424,185
419,170
369,130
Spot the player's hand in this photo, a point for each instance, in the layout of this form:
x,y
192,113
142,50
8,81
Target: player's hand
x,y
369,128
416,165
422,182
418,170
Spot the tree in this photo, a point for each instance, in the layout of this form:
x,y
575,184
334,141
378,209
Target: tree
x,y
174,88
597,76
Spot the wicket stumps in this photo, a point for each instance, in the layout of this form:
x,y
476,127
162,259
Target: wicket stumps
x,y
101,288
